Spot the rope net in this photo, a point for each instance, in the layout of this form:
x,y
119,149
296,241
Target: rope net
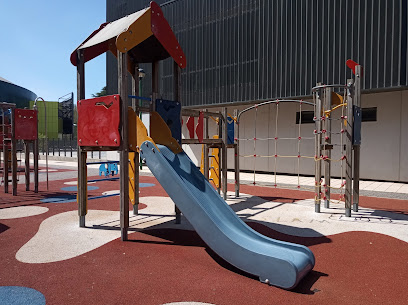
x,y
335,138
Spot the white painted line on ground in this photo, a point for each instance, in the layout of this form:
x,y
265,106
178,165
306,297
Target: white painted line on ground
x,y
20,212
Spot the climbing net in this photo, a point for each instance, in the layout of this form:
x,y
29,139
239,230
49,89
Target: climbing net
x,y
330,135
276,140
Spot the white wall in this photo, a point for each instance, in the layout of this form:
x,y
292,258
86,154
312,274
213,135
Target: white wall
x,y
384,149
404,137
380,148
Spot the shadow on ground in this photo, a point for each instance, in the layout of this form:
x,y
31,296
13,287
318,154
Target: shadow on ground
x,y
3,228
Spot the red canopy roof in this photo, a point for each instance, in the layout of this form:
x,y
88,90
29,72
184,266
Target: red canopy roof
x,y
145,35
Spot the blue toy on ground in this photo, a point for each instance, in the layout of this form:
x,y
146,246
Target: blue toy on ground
x,y
108,169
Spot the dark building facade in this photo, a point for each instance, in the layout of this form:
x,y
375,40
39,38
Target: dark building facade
x,y
243,51
12,93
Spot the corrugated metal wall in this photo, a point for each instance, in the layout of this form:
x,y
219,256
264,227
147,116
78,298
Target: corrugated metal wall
x,y
243,51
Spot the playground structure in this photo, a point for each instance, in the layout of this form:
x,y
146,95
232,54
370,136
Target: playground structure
x,y
108,123
326,103
152,42
18,124
213,166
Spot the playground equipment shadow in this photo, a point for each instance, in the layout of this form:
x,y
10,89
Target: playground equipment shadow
x,y
169,262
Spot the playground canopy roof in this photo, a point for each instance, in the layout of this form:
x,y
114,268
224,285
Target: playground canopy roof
x,y
145,35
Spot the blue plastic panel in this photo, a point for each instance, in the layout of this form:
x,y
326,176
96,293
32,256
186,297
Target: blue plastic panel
x,y
170,111
230,138
357,125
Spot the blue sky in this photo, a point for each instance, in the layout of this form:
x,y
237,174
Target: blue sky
x,y
37,38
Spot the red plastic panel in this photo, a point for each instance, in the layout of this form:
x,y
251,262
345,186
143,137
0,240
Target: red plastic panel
x,y
190,126
98,121
26,124
163,32
200,127
352,65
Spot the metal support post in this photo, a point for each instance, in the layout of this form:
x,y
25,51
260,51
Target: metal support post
x,y
27,164
356,161
135,91
327,141
124,152
349,148
206,150
5,157
82,187
177,97
236,157
237,165
219,153
82,173
36,154
135,85
224,153
13,155
318,140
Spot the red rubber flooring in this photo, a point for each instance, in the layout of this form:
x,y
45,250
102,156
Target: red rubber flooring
x,y
167,265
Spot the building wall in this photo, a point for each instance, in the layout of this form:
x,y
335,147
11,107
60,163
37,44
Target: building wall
x,y
404,137
242,52
53,125
14,94
252,50
381,149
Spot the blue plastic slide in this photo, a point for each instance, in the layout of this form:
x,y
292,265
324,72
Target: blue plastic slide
x,y
275,262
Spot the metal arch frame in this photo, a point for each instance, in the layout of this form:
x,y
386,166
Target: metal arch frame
x,y
340,86
272,102
237,165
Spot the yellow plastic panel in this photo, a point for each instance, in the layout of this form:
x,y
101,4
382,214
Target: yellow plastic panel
x,y
132,175
161,134
215,165
337,99
202,159
142,134
137,132
137,32
337,102
132,129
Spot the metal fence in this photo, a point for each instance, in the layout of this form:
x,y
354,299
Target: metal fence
x,y
66,146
